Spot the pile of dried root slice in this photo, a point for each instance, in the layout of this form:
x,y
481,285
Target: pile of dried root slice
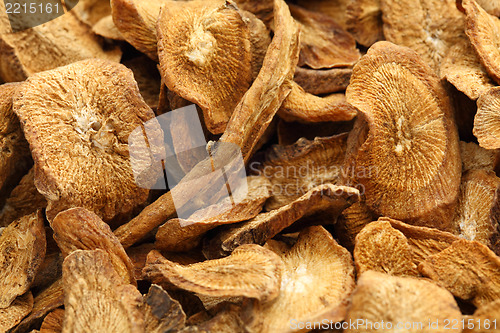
x,y
369,130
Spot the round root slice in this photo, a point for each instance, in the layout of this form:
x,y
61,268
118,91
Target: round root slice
x,y
380,247
468,269
485,315
487,119
323,42
304,107
483,31
22,250
410,158
205,56
20,308
392,300
317,281
364,21
476,157
80,229
327,81
79,136
250,271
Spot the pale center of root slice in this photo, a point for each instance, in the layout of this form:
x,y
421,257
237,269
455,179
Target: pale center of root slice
x,y
297,281
201,46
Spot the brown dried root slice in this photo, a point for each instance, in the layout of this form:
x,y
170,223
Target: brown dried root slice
x,y
476,157
326,81
408,120
477,197
327,199
79,138
262,9
96,299
490,6
148,79
317,281
49,272
161,312
53,322
304,107
91,11
182,235
226,320
106,28
22,249
250,271
429,27
12,315
468,269
323,42
392,299
487,120
485,315
352,220
290,132
80,229
380,247
335,9
462,68
364,21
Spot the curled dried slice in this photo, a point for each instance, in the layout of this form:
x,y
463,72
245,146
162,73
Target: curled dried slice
x,y
409,164
323,42
95,298
262,9
327,81
91,11
12,315
22,249
382,298
364,21
79,138
352,220
380,247
53,322
485,315
80,229
491,6
476,157
335,9
487,119
317,281
226,320
250,271
161,312
106,28
290,132
468,269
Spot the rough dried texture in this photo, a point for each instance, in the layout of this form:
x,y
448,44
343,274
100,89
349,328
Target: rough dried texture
x,y
12,315
483,31
380,247
22,249
263,9
476,157
91,11
327,81
290,132
161,312
227,320
468,269
477,197
138,255
336,9
205,56
408,121
392,299
106,28
323,42
46,47
259,40
462,68
49,272
250,271
80,229
96,299
182,235
485,315
429,27
328,199
317,282
491,6
304,107
53,322
352,220
79,136
487,120
364,21
148,79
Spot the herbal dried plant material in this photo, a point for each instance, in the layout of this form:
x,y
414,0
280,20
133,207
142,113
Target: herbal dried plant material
x,y
317,281
364,21
381,297
12,315
22,249
476,157
79,138
91,11
148,78
411,139
106,28
95,298
250,271
161,312
326,81
380,247
53,322
491,6
487,120
485,315
80,229
335,9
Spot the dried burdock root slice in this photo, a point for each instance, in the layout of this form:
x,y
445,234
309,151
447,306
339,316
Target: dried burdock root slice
x,y
352,220
259,39
476,157
12,315
79,138
325,81
22,249
335,9
477,197
364,21
304,107
485,315
250,271
226,320
80,229
323,42
161,312
487,120
490,6
317,281
49,272
262,9
468,269
408,121
205,56
462,68
394,300
328,199
53,322
182,235
91,11
429,27
96,299
380,247
106,28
